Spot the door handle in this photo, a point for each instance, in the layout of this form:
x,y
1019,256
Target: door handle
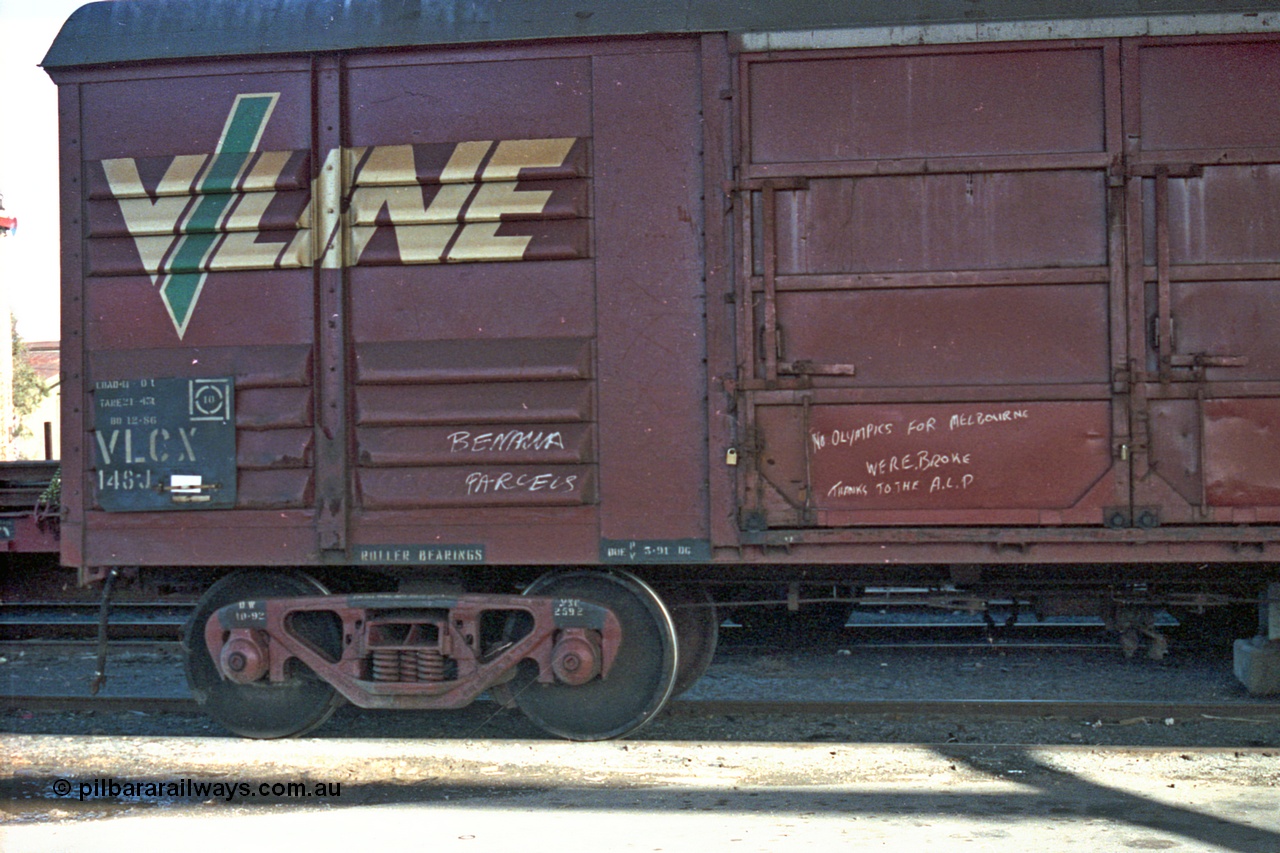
x,y
1201,360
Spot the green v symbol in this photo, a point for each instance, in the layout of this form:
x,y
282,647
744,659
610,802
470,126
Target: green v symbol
x,y
188,262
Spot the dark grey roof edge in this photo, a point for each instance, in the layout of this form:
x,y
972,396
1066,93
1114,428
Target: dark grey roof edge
x,y
119,31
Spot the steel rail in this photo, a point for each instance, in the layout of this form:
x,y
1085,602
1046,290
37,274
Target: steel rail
x,y
1106,712
64,646
19,632
105,704
30,621
973,708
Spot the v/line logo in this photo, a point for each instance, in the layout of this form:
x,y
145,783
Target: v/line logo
x,y
199,218
220,212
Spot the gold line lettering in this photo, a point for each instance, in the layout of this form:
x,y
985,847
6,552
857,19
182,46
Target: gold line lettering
x,y
513,155
142,216
465,162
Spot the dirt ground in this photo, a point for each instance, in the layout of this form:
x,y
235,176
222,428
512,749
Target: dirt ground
x,y
486,794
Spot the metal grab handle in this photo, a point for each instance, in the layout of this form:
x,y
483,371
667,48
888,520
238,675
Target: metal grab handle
x,y
201,487
1201,359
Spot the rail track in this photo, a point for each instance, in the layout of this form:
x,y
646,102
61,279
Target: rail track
x,y
1259,712
24,621
70,629
973,708
39,621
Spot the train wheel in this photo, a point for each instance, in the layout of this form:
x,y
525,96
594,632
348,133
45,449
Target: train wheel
x,y
262,710
697,632
643,673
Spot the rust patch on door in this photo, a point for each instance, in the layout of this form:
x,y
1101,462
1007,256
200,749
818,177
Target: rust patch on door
x,y
1242,452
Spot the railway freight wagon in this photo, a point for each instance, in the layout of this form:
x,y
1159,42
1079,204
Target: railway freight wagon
x,y
489,346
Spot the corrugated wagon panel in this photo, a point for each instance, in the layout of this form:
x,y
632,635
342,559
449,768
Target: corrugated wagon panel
x,y
418,98
460,297
527,359
525,444
234,309
1242,453
649,278
499,403
275,449
549,299
480,486
957,456
122,114
265,366
967,221
928,105
1223,215
188,232
931,248
953,336
1235,319
472,292
1206,187
1200,96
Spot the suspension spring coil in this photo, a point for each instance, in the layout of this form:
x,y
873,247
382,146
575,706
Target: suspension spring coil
x,y
407,665
430,665
385,664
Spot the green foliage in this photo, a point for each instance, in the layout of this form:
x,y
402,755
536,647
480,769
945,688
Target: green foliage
x,y
52,494
28,390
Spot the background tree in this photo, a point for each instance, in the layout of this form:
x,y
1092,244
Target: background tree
x,y
28,389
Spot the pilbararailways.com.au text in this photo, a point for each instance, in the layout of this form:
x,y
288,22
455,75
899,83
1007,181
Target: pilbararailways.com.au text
x,y
192,789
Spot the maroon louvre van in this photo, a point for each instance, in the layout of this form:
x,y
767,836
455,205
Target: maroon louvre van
x,y
488,346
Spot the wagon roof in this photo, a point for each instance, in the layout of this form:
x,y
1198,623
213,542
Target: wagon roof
x,y
144,30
